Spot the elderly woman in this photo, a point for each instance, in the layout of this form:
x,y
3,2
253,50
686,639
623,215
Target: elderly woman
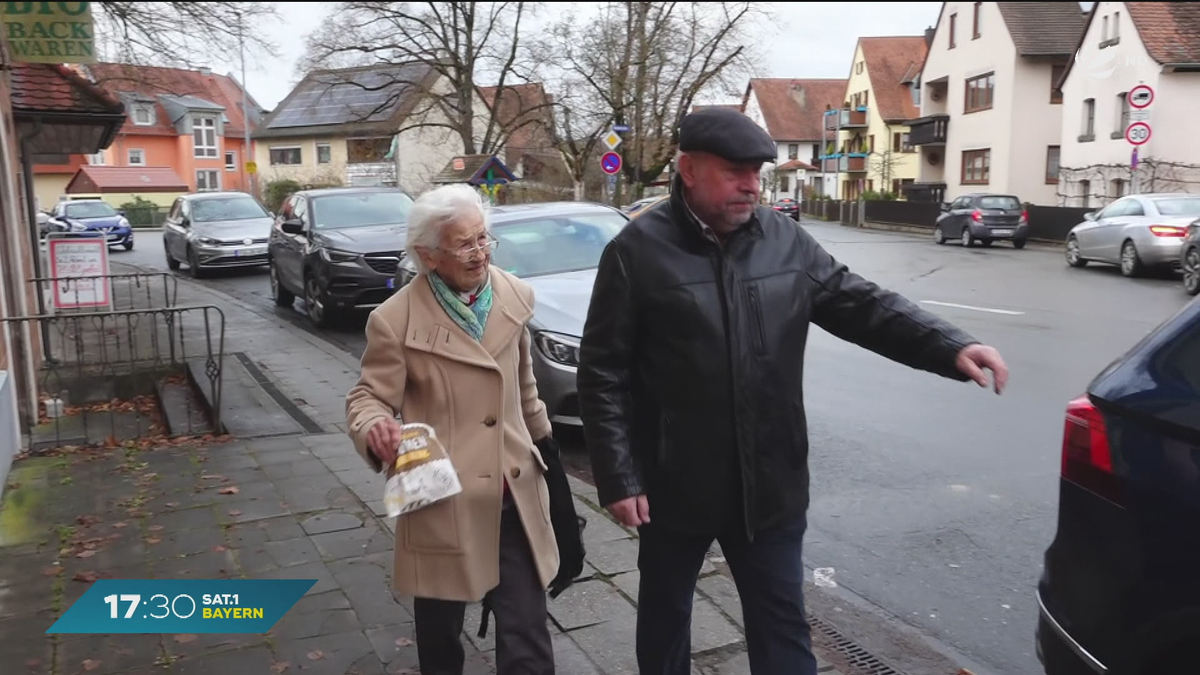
x,y
451,350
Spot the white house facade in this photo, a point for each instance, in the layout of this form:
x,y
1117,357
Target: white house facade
x,y
791,111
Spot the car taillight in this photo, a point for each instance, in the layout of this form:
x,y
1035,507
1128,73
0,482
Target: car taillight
x,y
1086,454
1024,216
1168,231
977,216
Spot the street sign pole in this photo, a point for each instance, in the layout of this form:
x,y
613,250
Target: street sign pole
x,y
1138,130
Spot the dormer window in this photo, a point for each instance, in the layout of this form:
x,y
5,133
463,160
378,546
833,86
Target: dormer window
x,y
204,136
143,114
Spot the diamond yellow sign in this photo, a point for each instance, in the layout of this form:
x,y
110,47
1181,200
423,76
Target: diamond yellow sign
x,y
612,140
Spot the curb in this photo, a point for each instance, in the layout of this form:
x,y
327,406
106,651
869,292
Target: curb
x,y
913,229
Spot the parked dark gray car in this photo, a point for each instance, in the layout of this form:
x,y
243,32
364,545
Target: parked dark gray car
x,y
209,230
983,218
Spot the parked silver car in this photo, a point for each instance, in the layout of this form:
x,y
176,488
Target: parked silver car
x,y
216,229
555,248
1135,232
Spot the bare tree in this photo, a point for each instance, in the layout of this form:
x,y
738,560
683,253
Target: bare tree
x,y
182,34
648,63
464,43
884,165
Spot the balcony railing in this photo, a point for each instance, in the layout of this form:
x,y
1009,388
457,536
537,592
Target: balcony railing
x,y
846,118
929,130
852,163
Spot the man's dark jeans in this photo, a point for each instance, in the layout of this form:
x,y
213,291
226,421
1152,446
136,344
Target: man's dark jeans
x,y
770,580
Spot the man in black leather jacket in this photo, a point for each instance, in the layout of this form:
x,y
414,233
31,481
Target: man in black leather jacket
x,y
691,388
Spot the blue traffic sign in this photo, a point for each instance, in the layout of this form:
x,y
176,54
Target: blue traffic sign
x,y
610,163
620,128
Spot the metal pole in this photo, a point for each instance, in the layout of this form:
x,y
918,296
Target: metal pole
x,y
245,104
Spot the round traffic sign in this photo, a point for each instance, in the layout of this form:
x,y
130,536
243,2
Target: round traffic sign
x,y
1140,97
1138,133
610,163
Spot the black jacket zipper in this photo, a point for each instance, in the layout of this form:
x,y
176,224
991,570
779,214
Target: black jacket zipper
x,y
733,380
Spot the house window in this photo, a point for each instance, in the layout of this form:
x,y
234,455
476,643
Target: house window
x,y
953,29
895,186
285,156
1085,193
1056,73
1117,188
143,115
1122,115
866,98
858,68
975,20
1089,120
1116,27
137,157
204,136
1104,31
1052,165
784,185
324,153
896,141
979,93
976,167
793,150
208,180
871,143
230,161
367,150
906,143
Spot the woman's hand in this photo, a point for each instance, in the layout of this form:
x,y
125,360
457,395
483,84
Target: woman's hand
x,y
384,440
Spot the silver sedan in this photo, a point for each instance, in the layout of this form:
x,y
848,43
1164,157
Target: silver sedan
x,y
1135,232
207,230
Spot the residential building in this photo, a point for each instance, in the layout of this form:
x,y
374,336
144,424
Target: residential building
x,y
189,122
869,144
991,112
792,112
1124,45
524,127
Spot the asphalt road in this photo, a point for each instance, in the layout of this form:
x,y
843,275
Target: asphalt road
x,y
932,500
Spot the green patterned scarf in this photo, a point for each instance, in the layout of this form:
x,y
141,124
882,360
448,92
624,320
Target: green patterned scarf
x,y
470,317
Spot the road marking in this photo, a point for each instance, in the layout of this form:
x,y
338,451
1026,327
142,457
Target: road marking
x,y
1006,312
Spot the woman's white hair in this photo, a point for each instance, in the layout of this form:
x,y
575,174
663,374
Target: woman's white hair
x,y
435,209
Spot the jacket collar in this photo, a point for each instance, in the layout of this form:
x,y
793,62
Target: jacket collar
x,y
683,215
430,329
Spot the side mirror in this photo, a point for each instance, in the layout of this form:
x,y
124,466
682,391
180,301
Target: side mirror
x,y
292,226
945,207
121,212
1091,215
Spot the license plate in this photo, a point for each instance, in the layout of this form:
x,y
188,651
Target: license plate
x,y
1002,232
257,250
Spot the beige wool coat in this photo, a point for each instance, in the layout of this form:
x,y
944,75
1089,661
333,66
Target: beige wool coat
x,y
482,401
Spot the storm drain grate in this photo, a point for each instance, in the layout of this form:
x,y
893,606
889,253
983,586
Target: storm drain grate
x,y
854,657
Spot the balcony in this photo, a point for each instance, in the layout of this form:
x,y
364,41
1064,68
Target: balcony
x,y
929,130
847,118
852,163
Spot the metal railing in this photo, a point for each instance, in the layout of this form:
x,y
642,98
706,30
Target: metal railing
x,y
111,377
142,290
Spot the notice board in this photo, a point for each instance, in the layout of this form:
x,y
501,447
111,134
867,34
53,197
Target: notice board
x,y
71,261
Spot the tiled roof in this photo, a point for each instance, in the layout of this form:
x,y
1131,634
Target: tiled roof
x,y
1170,31
151,83
1043,28
44,87
794,109
795,164
890,62
463,168
525,107
132,178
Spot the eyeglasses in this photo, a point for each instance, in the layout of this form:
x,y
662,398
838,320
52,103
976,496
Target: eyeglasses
x,y
467,253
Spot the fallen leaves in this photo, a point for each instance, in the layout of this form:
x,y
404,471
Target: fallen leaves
x,y
279,667
185,638
316,655
153,540
155,528
231,490
87,576
120,525
235,513
403,642
172,505
90,664
52,571
86,553
219,549
86,521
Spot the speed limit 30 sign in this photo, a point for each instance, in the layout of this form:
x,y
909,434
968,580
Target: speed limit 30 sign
x,y
1137,133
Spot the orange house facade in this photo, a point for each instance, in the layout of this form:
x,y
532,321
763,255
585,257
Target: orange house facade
x,y
189,121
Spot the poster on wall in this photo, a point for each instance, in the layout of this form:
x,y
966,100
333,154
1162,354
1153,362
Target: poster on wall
x,y
72,261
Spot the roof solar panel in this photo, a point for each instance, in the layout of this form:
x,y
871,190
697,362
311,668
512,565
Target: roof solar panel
x,y
343,97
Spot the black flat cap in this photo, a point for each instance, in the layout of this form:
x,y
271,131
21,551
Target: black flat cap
x,y
725,133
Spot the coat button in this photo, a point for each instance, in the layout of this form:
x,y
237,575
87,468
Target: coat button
x,y
516,472
490,421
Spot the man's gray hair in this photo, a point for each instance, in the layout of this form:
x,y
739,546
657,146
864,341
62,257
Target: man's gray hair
x,y
434,210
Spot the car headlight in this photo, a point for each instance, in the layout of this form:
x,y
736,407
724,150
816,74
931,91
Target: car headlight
x,y
335,256
123,222
559,348
208,241
77,226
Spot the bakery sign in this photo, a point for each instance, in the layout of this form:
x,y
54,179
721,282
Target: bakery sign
x,y
49,32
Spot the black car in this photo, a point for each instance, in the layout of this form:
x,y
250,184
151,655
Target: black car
x,y
788,206
338,249
983,218
1119,592
1189,258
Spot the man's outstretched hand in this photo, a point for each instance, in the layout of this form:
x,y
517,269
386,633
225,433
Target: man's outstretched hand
x,y
631,511
976,358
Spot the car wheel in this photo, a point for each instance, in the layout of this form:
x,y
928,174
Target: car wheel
x,y
1131,264
1074,257
194,267
317,312
128,245
968,240
939,237
283,297
1018,243
172,263
1191,271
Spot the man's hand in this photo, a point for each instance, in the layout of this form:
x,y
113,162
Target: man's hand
x,y
632,511
383,440
974,359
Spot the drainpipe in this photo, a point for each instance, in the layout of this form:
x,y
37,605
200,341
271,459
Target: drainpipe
x,y
35,236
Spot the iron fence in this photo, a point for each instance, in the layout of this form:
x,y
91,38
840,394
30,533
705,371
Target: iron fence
x,y
142,290
127,375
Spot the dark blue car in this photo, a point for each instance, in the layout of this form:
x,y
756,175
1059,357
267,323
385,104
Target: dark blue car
x,y
92,217
1119,591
